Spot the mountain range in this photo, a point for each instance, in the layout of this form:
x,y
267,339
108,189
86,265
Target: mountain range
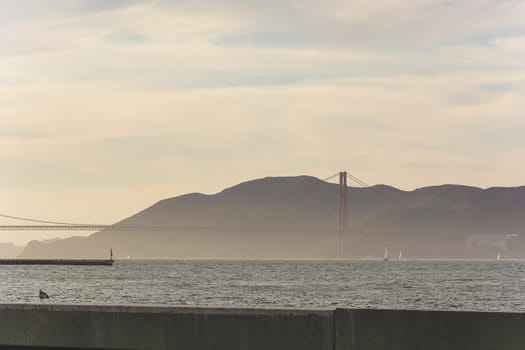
x,y
297,218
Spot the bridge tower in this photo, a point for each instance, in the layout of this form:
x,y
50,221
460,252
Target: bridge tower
x,y
343,176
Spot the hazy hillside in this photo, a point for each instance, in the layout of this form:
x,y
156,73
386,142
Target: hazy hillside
x,y
9,250
296,217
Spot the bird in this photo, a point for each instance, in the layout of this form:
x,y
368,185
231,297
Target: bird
x,y
42,295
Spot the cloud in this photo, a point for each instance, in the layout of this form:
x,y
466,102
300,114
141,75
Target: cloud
x,y
85,127
385,26
200,44
104,103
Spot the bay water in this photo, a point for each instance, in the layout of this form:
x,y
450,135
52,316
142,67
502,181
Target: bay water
x,y
404,284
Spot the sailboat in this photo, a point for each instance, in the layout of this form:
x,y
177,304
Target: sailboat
x,y
400,255
499,256
386,255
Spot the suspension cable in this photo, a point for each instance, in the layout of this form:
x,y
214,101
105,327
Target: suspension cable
x,y
351,177
39,221
331,177
355,179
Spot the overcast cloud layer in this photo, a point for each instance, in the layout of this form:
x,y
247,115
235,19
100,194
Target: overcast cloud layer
x,y
108,106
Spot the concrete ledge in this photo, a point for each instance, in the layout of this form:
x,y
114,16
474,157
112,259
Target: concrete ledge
x,y
163,309
428,330
159,327
216,328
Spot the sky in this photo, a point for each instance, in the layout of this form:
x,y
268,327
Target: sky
x,y
109,106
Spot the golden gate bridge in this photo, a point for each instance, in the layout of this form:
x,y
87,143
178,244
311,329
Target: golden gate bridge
x,y
18,223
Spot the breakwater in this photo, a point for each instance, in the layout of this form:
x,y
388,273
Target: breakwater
x,y
200,328
96,262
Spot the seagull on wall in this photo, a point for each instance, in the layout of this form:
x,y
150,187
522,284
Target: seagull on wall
x,y
42,295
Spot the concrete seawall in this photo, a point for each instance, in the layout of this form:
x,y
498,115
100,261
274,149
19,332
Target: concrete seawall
x,y
156,327
198,328
428,330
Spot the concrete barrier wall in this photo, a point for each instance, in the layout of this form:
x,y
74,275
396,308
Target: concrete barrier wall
x,y
428,330
190,328
153,327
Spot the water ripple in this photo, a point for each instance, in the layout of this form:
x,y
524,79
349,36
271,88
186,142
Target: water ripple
x,y
483,286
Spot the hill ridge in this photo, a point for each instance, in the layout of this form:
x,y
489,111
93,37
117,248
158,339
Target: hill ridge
x,y
297,217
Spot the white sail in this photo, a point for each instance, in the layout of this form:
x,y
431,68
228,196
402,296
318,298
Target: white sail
x,y
400,255
499,256
386,255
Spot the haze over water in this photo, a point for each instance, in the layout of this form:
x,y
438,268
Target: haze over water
x,y
437,285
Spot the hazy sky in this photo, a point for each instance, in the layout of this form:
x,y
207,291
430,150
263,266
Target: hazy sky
x,y
108,106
